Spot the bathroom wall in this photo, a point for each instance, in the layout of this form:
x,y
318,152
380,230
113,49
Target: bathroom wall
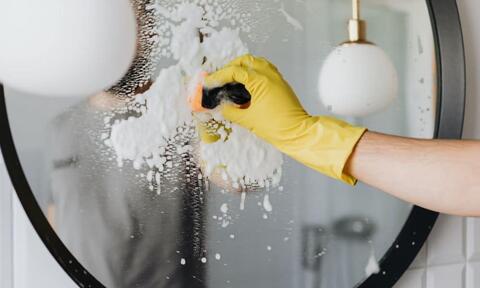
x,y
24,260
451,258
5,229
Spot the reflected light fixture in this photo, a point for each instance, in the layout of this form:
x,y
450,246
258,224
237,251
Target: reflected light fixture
x,y
65,48
357,78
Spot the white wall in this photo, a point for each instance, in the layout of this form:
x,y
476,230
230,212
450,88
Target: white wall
x,y
24,260
451,258
29,263
6,228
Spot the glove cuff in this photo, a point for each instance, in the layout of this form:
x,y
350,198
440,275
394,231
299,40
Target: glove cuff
x,y
326,146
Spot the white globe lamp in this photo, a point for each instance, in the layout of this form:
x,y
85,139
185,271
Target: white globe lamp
x,y
357,78
65,48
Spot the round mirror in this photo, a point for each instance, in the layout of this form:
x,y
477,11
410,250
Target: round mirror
x,y
128,221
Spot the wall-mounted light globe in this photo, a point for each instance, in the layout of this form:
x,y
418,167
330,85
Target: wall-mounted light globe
x,y
357,79
57,47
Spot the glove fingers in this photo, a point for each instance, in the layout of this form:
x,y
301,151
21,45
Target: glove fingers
x,y
251,62
246,61
206,135
226,75
233,113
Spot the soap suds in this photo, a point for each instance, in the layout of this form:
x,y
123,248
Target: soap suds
x,y
372,265
224,208
266,204
164,115
247,160
225,223
242,200
290,19
142,140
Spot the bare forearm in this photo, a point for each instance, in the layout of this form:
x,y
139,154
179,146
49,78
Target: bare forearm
x,y
440,175
51,215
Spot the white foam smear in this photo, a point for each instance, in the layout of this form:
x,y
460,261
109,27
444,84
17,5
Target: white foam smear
x,y
245,158
224,208
372,265
290,19
164,109
242,201
142,138
266,204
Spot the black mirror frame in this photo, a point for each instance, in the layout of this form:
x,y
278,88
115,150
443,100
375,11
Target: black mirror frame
x,y
451,86
451,95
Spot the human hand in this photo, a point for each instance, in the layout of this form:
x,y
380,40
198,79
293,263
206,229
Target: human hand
x,y
276,115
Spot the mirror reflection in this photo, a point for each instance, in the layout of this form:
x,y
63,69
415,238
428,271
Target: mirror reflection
x,y
142,201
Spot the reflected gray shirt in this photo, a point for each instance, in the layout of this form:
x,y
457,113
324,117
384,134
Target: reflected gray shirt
x,y
124,233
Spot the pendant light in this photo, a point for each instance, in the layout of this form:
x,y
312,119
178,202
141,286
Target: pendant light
x,y
357,78
65,48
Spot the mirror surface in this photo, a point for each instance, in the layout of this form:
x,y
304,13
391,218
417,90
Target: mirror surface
x,y
131,227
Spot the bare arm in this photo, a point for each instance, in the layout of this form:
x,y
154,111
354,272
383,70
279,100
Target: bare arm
x,y
440,175
51,215
435,174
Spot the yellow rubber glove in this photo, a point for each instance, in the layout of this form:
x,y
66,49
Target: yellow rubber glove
x,y
208,131
276,115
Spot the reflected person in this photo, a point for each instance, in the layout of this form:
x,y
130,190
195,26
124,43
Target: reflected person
x,y
123,231
120,227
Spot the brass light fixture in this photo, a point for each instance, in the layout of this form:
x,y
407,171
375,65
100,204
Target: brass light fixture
x,y
357,78
357,28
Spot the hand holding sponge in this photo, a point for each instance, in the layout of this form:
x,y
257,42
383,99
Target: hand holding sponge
x,y
276,115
